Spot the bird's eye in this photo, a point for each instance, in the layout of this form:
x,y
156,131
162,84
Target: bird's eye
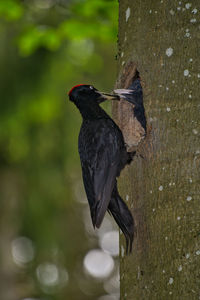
x,y
91,87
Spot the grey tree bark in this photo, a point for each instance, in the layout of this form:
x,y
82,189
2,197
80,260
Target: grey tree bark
x,y
162,38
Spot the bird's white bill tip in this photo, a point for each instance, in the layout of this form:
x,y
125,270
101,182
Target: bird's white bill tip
x,y
123,91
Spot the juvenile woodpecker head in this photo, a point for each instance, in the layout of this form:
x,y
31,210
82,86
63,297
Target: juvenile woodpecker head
x,y
82,93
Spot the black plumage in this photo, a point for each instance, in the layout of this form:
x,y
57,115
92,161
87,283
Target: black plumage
x,y
134,95
103,155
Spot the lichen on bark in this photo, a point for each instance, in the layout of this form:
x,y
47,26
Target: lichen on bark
x,y
162,39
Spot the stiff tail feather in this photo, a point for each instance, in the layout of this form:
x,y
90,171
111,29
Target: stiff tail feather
x,y
123,218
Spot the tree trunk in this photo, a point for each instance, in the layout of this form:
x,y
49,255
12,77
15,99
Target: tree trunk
x,y
162,187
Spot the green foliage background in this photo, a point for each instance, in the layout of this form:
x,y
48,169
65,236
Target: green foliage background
x,y
46,48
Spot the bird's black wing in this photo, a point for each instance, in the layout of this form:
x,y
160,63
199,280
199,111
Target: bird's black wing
x,y
100,147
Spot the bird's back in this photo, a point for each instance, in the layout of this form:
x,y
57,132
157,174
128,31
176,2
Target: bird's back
x,y
103,155
98,135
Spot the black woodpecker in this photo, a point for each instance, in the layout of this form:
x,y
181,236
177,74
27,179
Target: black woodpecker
x,y
103,155
134,95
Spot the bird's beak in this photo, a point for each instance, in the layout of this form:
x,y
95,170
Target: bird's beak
x,y
105,96
110,97
123,93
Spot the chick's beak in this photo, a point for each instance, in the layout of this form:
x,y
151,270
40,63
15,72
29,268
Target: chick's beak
x,y
123,93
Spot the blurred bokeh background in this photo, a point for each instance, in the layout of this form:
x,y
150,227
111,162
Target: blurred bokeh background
x,y
48,248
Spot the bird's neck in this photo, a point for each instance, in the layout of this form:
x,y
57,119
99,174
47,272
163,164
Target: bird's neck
x,y
92,112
